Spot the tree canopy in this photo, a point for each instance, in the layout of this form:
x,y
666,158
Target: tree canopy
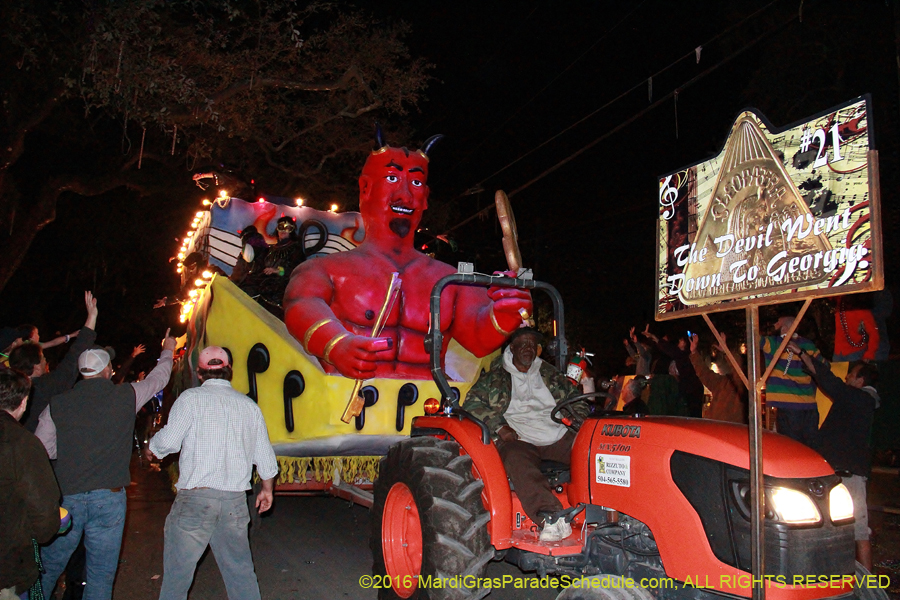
x,y
139,93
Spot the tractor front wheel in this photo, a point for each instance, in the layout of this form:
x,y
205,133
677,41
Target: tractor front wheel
x,y
429,534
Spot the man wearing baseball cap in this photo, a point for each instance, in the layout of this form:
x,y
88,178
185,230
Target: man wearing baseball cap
x,y
221,434
89,431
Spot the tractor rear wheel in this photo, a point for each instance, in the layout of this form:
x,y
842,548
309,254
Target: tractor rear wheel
x,y
429,523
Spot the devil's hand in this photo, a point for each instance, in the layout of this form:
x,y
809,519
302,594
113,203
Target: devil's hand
x,y
355,355
507,305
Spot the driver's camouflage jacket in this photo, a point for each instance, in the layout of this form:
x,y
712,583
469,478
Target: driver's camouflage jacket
x,y
489,398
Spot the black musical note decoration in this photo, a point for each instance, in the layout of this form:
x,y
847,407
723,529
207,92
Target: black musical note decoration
x,y
293,387
407,396
320,243
370,393
257,362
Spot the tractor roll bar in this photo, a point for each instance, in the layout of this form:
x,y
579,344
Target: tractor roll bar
x,y
435,339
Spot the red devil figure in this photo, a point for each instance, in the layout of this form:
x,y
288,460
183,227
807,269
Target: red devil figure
x,y
332,302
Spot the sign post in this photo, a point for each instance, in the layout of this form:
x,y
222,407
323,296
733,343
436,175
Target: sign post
x,y
779,215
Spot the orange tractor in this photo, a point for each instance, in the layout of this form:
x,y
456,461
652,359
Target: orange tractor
x,y
661,506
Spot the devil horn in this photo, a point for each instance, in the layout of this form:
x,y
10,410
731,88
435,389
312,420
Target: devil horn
x,y
379,136
431,142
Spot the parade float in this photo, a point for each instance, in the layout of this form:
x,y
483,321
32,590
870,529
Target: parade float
x,y
328,422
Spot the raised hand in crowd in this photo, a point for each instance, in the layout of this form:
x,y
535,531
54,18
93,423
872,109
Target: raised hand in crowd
x,y
169,342
138,350
91,304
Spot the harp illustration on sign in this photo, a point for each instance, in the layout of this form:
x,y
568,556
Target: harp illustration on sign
x,y
742,229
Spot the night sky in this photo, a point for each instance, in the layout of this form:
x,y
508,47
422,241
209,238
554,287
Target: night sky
x,y
508,77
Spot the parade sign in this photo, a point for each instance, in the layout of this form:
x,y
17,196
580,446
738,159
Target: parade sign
x,y
778,215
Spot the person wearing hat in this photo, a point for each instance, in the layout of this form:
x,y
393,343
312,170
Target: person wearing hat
x,y
89,431
220,434
515,398
29,359
279,262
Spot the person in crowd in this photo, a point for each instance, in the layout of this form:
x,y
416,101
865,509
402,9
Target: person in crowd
x,y
29,496
632,403
726,398
89,430
639,352
122,372
515,398
30,333
689,386
844,437
220,434
789,388
29,359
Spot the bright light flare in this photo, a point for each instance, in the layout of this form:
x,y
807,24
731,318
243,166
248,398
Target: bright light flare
x,y
334,208
793,506
299,201
840,503
207,274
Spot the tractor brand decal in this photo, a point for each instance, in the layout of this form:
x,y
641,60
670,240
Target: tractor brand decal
x,y
614,469
621,430
614,447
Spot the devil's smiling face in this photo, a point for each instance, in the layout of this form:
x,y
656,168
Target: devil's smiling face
x,y
393,193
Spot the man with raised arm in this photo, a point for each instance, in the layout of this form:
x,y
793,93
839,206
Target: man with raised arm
x,y
89,430
29,359
332,302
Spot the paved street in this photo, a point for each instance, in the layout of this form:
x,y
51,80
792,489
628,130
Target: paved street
x,y
317,547
307,548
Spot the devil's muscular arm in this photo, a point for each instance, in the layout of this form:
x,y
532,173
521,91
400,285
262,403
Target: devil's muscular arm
x,y
309,317
473,326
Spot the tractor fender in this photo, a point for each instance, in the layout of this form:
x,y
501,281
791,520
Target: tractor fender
x,y
488,466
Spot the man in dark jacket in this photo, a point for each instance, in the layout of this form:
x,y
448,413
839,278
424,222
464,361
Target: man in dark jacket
x,y
29,359
29,496
689,385
844,435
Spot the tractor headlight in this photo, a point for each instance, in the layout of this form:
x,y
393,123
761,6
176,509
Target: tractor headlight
x,y
792,506
840,504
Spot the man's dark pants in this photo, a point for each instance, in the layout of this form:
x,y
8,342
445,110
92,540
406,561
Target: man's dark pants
x,y
523,467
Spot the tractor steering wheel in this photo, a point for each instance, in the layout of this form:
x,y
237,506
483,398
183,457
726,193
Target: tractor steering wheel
x,y
574,424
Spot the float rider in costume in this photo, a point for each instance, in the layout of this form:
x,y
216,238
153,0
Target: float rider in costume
x,y
280,261
332,302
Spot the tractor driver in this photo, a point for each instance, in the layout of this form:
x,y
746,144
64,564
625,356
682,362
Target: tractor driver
x,y
515,398
332,302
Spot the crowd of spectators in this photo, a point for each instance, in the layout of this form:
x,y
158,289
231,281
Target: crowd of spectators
x,y
67,435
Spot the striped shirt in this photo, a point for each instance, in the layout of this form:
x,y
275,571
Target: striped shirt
x,y
789,386
221,434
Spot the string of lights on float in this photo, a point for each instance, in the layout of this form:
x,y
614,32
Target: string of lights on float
x,y
200,284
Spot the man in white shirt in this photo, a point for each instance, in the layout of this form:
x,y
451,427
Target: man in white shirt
x,y
221,434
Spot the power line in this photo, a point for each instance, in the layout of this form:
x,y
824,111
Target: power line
x,y
624,124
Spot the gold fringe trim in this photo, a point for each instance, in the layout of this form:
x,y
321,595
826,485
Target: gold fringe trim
x,y
350,468
299,469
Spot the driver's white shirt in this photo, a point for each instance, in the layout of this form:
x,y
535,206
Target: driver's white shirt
x,y
530,405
